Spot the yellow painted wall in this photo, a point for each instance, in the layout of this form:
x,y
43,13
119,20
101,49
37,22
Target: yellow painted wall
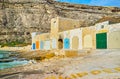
x,y
44,36
103,31
67,24
60,24
113,40
54,33
54,28
88,37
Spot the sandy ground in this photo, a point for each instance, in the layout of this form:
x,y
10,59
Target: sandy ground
x,y
99,64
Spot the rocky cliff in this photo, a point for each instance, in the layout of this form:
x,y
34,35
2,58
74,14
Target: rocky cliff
x,y
18,18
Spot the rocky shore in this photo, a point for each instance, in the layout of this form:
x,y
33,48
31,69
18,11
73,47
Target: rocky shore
x,y
98,64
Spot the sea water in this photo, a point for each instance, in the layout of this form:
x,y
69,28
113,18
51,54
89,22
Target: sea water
x,y
4,54
15,62
4,65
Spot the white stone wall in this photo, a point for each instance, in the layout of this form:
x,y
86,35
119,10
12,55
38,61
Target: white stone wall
x,y
54,43
113,36
71,33
78,33
113,40
102,25
114,27
33,38
47,45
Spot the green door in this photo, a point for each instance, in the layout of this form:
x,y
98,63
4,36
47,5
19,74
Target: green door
x,y
101,41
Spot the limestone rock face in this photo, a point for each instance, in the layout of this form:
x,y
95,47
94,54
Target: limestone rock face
x,y
18,18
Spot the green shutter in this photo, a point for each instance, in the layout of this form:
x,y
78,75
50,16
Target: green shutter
x,y
101,41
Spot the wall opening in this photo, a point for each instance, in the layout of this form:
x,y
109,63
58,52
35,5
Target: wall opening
x,y
60,43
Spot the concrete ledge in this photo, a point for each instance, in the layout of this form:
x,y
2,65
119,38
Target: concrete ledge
x,y
71,53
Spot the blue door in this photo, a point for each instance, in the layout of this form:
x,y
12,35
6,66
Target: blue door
x,y
41,45
33,46
66,43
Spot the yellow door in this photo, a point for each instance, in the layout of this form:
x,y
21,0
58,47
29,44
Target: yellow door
x,y
88,41
75,42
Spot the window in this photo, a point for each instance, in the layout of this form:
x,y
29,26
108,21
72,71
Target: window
x,y
54,21
102,26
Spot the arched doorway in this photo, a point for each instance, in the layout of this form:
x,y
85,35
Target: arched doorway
x,y
75,42
88,41
66,43
60,43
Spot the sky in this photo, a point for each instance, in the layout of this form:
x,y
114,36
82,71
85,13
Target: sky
x,y
115,3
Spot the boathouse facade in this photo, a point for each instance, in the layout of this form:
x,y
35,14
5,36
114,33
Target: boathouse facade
x,y
66,34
